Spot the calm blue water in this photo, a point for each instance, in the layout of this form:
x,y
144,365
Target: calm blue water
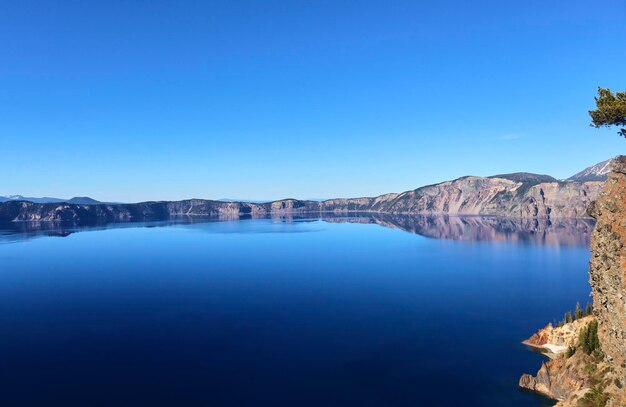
x,y
281,312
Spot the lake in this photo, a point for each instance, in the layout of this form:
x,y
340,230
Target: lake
x,y
340,311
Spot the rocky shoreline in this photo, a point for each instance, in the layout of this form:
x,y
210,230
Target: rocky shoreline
x,y
555,341
566,376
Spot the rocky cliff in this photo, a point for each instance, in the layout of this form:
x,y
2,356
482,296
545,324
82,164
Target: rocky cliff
x,y
565,379
519,195
596,379
572,375
556,338
501,196
608,274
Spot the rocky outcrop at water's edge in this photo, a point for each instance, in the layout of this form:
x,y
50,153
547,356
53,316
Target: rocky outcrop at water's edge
x,y
554,341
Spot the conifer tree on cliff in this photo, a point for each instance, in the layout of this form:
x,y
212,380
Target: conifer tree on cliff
x,y
578,313
611,110
589,309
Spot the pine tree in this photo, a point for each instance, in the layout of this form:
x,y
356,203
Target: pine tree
x,y
589,309
588,338
596,397
595,340
568,317
611,110
578,313
582,339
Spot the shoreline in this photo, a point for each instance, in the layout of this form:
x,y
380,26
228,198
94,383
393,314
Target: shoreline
x,y
548,349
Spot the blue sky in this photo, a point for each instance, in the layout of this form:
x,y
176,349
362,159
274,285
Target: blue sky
x,y
147,100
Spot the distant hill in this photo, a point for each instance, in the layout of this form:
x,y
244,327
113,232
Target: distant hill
x,y
82,200
597,172
265,200
526,177
242,200
9,198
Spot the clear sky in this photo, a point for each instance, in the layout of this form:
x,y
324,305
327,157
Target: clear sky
x,y
146,100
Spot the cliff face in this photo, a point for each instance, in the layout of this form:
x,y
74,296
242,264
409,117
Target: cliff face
x,y
561,336
608,272
567,377
572,380
498,196
564,379
525,196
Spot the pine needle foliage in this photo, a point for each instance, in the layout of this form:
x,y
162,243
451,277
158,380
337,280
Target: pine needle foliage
x,y
611,110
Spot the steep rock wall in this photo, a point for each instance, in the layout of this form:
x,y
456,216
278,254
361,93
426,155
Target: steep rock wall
x,y
569,379
608,272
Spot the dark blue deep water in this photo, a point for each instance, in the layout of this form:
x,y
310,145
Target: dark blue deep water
x,y
282,312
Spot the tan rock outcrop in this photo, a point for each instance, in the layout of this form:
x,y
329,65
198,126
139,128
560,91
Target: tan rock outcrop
x,y
559,378
566,378
565,335
564,375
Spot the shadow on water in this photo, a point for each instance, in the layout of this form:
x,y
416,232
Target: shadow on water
x,y
555,232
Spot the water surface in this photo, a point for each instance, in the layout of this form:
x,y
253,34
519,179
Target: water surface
x,y
282,312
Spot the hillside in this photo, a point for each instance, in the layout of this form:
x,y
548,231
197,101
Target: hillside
x,y
85,200
517,195
597,172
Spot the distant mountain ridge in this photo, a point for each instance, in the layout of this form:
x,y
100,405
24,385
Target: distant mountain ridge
x,y
517,195
597,172
526,177
84,200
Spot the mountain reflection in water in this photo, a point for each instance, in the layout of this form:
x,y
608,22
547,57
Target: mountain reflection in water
x,y
559,232
555,232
